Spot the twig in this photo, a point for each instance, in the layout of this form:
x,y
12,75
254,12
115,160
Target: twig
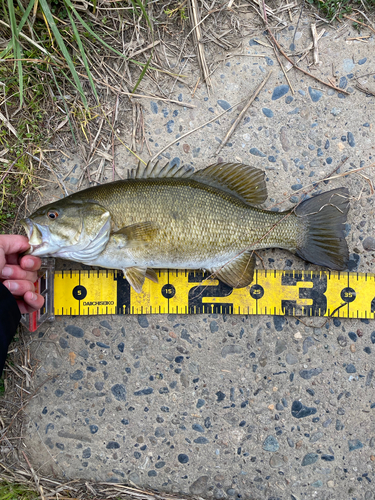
x,y
315,41
282,67
360,22
239,117
10,168
364,89
193,130
195,15
151,46
114,120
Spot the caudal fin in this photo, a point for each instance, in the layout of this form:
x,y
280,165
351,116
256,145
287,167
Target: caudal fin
x,y
322,241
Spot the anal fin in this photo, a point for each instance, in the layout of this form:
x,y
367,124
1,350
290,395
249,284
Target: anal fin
x,y
238,272
136,276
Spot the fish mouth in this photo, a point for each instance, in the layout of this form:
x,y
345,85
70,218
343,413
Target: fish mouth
x,y
35,237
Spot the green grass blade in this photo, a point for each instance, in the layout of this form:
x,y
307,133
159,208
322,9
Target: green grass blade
x,y
8,48
142,73
16,47
25,13
64,50
83,55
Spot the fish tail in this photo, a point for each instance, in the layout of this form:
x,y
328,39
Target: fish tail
x,y
322,240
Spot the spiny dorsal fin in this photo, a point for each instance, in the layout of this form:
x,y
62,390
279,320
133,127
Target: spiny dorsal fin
x,y
243,181
239,272
157,171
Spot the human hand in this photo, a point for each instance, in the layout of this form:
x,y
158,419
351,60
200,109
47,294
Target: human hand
x,y
19,274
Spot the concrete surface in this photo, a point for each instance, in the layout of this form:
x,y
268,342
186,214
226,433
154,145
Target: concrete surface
x,y
231,406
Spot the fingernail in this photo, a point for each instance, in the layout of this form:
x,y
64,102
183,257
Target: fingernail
x,y
11,285
29,263
33,296
7,271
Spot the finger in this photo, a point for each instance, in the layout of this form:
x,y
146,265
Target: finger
x,y
19,287
16,273
31,302
30,263
14,243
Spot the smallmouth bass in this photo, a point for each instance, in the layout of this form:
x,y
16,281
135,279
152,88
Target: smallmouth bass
x,y
170,217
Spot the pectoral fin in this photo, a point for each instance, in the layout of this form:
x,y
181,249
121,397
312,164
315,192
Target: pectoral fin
x,y
141,233
239,272
136,276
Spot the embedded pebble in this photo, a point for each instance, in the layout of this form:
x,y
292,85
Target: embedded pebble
x,y
276,461
267,112
280,346
257,152
299,410
280,91
199,486
316,436
75,331
351,140
309,459
271,444
230,349
284,139
315,94
291,359
224,104
313,372
307,343
348,65
354,444
369,244
343,82
182,458
142,320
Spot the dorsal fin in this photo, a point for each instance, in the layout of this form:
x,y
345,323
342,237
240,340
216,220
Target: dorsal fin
x,y
157,171
244,181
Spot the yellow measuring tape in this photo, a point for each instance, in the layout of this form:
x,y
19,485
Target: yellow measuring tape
x,y
293,293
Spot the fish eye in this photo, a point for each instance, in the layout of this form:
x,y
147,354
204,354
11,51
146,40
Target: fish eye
x,y
52,214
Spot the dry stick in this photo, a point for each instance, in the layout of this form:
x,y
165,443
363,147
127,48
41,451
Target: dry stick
x,y
284,71
239,117
194,130
315,41
10,168
114,120
360,22
194,12
308,48
35,477
364,89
